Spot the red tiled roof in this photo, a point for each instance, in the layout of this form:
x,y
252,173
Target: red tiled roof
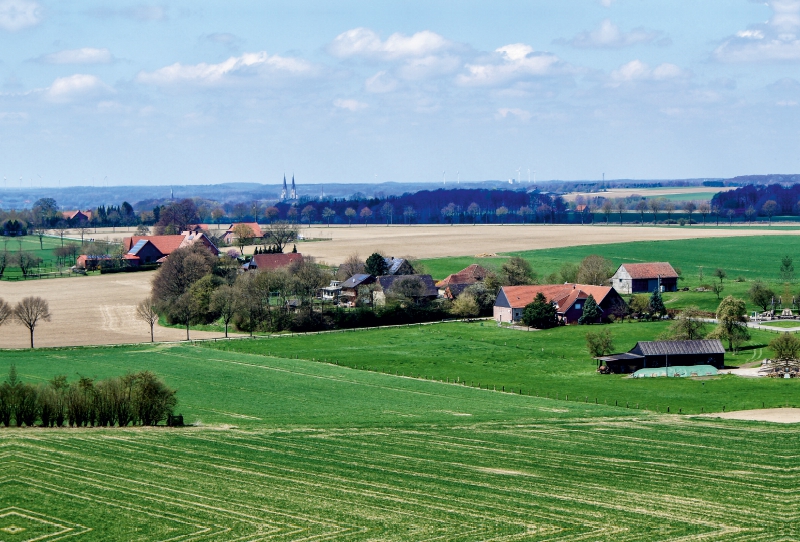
x,y
564,295
253,226
165,244
650,270
69,215
469,275
276,261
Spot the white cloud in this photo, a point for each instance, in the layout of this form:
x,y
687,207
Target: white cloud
x,y
18,14
381,82
776,40
73,87
608,35
85,55
521,114
636,70
510,62
367,43
246,64
606,3
350,105
429,66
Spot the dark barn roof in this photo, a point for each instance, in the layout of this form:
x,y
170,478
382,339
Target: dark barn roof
x,y
662,348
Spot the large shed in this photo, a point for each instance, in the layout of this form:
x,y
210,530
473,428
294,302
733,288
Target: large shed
x,y
636,278
649,354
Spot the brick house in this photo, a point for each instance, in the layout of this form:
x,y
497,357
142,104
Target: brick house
x,y
569,300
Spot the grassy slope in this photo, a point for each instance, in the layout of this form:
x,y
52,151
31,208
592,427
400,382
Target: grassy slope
x,y
330,452
542,362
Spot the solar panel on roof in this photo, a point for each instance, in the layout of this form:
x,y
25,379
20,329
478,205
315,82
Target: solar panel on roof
x,y
137,247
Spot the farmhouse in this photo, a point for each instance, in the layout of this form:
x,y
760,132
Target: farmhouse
x,y
398,266
77,216
273,261
230,237
452,286
349,292
155,248
635,278
649,354
569,300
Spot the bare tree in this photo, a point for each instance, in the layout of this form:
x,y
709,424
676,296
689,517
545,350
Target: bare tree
x,y
704,208
621,208
146,312
30,311
6,312
352,265
655,207
280,233
83,229
689,207
595,270
224,301
641,206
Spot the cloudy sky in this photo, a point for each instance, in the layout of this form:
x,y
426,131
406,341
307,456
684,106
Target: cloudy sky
x,y
358,91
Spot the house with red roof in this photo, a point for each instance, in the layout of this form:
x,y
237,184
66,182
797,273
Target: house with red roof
x,y
273,261
147,249
636,278
229,237
569,300
452,286
77,216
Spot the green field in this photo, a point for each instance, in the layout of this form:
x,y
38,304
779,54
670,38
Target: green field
x,y
30,243
551,363
748,258
327,452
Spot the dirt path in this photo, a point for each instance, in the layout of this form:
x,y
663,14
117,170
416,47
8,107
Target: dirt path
x,y
775,415
87,310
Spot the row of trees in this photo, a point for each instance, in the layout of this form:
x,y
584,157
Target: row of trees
x,y
133,399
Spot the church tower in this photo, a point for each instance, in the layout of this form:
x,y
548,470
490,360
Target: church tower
x,y
285,191
293,194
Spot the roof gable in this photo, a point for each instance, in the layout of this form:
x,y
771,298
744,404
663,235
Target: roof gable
x,y
469,275
356,280
651,270
661,348
564,295
276,261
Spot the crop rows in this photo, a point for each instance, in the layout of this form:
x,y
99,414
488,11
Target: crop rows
x,y
581,479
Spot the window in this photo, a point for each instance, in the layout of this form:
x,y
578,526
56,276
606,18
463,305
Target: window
x,y
577,305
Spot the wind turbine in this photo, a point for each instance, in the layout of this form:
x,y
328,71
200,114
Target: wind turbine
x,y
444,179
518,170
40,180
458,177
529,175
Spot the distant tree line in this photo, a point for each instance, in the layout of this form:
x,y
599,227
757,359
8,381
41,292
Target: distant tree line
x,y
134,399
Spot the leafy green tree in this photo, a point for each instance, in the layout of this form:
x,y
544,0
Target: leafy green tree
x,y
465,306
731,323
517,272
376,265
761,295
785,346
720,274
540,313
717,288
591,312
600,343
687,326
595,270
657,304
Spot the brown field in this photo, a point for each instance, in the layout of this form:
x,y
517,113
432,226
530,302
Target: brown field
x,y
649,192
87,310
428,241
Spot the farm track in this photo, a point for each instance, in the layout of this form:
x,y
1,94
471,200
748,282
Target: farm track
x,y
668,479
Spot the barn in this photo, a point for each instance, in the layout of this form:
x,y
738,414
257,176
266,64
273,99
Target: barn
x,y
569,300
638,278
649,354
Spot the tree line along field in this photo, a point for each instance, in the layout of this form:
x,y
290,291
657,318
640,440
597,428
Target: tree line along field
x,y
550,363
327,452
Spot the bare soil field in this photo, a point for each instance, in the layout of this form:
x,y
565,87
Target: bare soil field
x,y
775,415
650,192
87,310
432,241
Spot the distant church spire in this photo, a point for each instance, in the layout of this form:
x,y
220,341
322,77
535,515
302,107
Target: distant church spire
x,y
285,190
293,195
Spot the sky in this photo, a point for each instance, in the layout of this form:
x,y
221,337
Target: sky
x,y
198,92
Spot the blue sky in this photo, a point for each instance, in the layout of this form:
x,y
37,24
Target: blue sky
x,y
359,91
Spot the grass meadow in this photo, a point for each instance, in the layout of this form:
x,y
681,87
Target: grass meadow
x,y
30,243
552,363
296,450
748,258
